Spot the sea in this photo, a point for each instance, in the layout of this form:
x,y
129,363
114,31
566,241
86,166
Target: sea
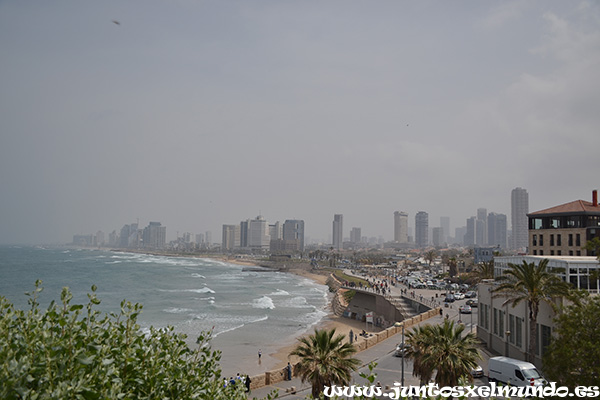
x,y
247,310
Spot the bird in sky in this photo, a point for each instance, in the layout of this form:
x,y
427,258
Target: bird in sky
x,y
116,22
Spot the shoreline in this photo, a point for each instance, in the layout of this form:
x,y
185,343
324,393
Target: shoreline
x,y
278,357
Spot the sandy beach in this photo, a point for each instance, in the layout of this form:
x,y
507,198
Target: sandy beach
x,y
278,356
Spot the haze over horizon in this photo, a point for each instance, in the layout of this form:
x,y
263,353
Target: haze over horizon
x,y
198,114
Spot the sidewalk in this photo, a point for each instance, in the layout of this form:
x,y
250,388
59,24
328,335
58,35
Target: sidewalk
x,y
366,357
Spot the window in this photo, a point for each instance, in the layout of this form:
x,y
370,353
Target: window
x,y
501,323
541,240
546,336
535,223
535,252
511,328
578,253
559,253
541,252
495,321
570,252
551,252
555,222
519,374
551,240
518,332
559,240
571,240
534,240
578,240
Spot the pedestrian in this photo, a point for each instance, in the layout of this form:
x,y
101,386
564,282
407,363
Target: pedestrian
x,y
441,312
289,372
351,336
247,382
259,354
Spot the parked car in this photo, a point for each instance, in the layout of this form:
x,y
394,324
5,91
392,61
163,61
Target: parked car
x,y
472,302
470,294
459,296
477,372
465,309
401,351
449,298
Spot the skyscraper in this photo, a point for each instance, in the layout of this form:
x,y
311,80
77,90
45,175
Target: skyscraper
x,y
400,227
258,233
421,229
293,229
497,230
481,229
519,207
338,231
445,224
355,235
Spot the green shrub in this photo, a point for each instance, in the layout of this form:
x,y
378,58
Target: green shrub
x,y
75,352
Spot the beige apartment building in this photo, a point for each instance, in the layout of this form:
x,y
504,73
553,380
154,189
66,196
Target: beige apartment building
x,y
565,229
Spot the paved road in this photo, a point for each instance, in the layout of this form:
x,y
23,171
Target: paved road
x,y
388,367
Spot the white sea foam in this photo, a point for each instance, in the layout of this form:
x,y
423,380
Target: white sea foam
x,y
297,302
264,302
279,292
176,310
203,290
195,275
233,328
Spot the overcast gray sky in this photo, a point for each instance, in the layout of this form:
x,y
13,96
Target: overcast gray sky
x,y
203,113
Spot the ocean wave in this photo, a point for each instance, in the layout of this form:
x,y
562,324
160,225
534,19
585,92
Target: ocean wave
x,y
175,310
195,275
279,292
203,290
297,302
233,328
264,302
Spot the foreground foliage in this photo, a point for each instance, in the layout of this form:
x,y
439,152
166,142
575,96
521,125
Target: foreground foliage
x,y
75,352
572,357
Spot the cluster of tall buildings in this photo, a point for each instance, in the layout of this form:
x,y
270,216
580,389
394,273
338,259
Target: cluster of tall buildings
x,y
484,229
258,234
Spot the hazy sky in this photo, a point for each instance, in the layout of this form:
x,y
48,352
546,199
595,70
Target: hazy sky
x,y
203,113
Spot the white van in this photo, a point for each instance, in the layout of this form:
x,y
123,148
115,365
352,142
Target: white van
x,y
514,372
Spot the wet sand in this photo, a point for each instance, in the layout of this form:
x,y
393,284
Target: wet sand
x,y
278,355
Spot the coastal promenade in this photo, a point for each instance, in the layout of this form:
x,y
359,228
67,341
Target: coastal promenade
x,y
380,351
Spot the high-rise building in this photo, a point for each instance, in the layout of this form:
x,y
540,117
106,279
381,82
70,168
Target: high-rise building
x,y
338,231
275,231
400,227
469,238
231,237
497,230
154,236
421,229
355,235
438,236
258,233
519,207
481,229
293,229
445,224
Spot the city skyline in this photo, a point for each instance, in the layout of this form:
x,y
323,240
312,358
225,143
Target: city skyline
x,y
199,114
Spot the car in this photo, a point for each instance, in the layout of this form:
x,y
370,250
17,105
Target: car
x,y
470,294
449,298
459,296
477,372
401,351
465,309
472,302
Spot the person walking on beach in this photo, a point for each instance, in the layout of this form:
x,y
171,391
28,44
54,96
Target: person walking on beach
x,y
259,354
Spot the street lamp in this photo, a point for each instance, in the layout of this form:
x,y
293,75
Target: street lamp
x,y
403,355
507,333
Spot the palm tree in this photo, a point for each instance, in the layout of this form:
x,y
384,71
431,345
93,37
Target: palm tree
x,y
532,284
443,348
419,340
484,270
325,360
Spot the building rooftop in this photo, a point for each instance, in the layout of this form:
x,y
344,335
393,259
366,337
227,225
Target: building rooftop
x,y
577,206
